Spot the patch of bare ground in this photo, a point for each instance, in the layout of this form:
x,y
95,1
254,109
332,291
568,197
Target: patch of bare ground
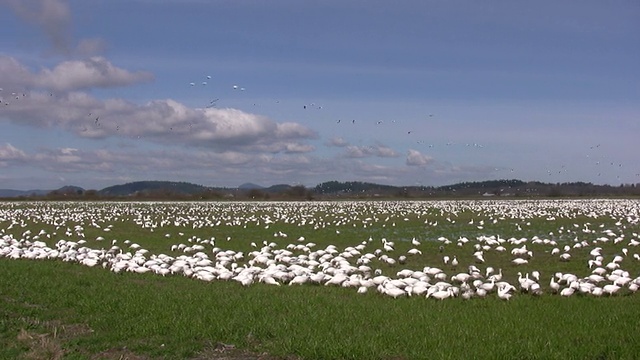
x,y
41,346
119,354
46,339
221,351
47,343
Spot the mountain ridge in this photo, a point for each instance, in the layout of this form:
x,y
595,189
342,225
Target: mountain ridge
x,y
175,189
169,189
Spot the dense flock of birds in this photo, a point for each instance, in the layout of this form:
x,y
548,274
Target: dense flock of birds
x,y
600,235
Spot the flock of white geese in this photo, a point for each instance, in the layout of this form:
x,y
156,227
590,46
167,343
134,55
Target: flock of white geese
x,y
601,235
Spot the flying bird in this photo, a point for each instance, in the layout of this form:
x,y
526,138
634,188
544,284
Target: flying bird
x,y
212,103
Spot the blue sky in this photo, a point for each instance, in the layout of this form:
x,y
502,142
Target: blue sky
x,y
98,92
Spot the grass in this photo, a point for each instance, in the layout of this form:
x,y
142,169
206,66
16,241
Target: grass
x,y
143,313
54,309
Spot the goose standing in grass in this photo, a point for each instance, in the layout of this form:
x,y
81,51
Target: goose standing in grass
x,y
611,289
503,293
519,261
497,277
441,294
568,291
489,271
454,262
394,292
535,275
555,287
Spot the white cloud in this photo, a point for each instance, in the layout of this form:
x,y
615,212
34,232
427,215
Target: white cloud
x,y
291,130
161,121
9,152
356,152
105,167
68,151
146,163
377,150
298,148
415,158
95,72
111,167
384,151
68,76
338,142
62,160
13,75
383,174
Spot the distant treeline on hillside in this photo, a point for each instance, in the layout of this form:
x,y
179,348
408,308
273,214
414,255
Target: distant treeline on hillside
x,y
153,187
168,190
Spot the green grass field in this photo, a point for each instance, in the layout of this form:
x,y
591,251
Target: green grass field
x,y
52,309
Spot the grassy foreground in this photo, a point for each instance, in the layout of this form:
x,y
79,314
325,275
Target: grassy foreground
x,y
60,310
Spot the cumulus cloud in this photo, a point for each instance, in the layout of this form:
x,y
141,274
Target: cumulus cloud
x,y
14,75
337,142
465,171
415,158
72,75
291,130
94,72
161,121
113,166
64,157
155,163
298,148
377,150
9,152
55,101
384,174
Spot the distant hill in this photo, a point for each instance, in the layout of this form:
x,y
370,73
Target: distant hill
x,y
278,188
509,188
149,187
8,193
250,186
332,189
490,184
70,189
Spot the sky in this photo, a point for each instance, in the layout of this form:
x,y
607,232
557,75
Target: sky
x,y
97,93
